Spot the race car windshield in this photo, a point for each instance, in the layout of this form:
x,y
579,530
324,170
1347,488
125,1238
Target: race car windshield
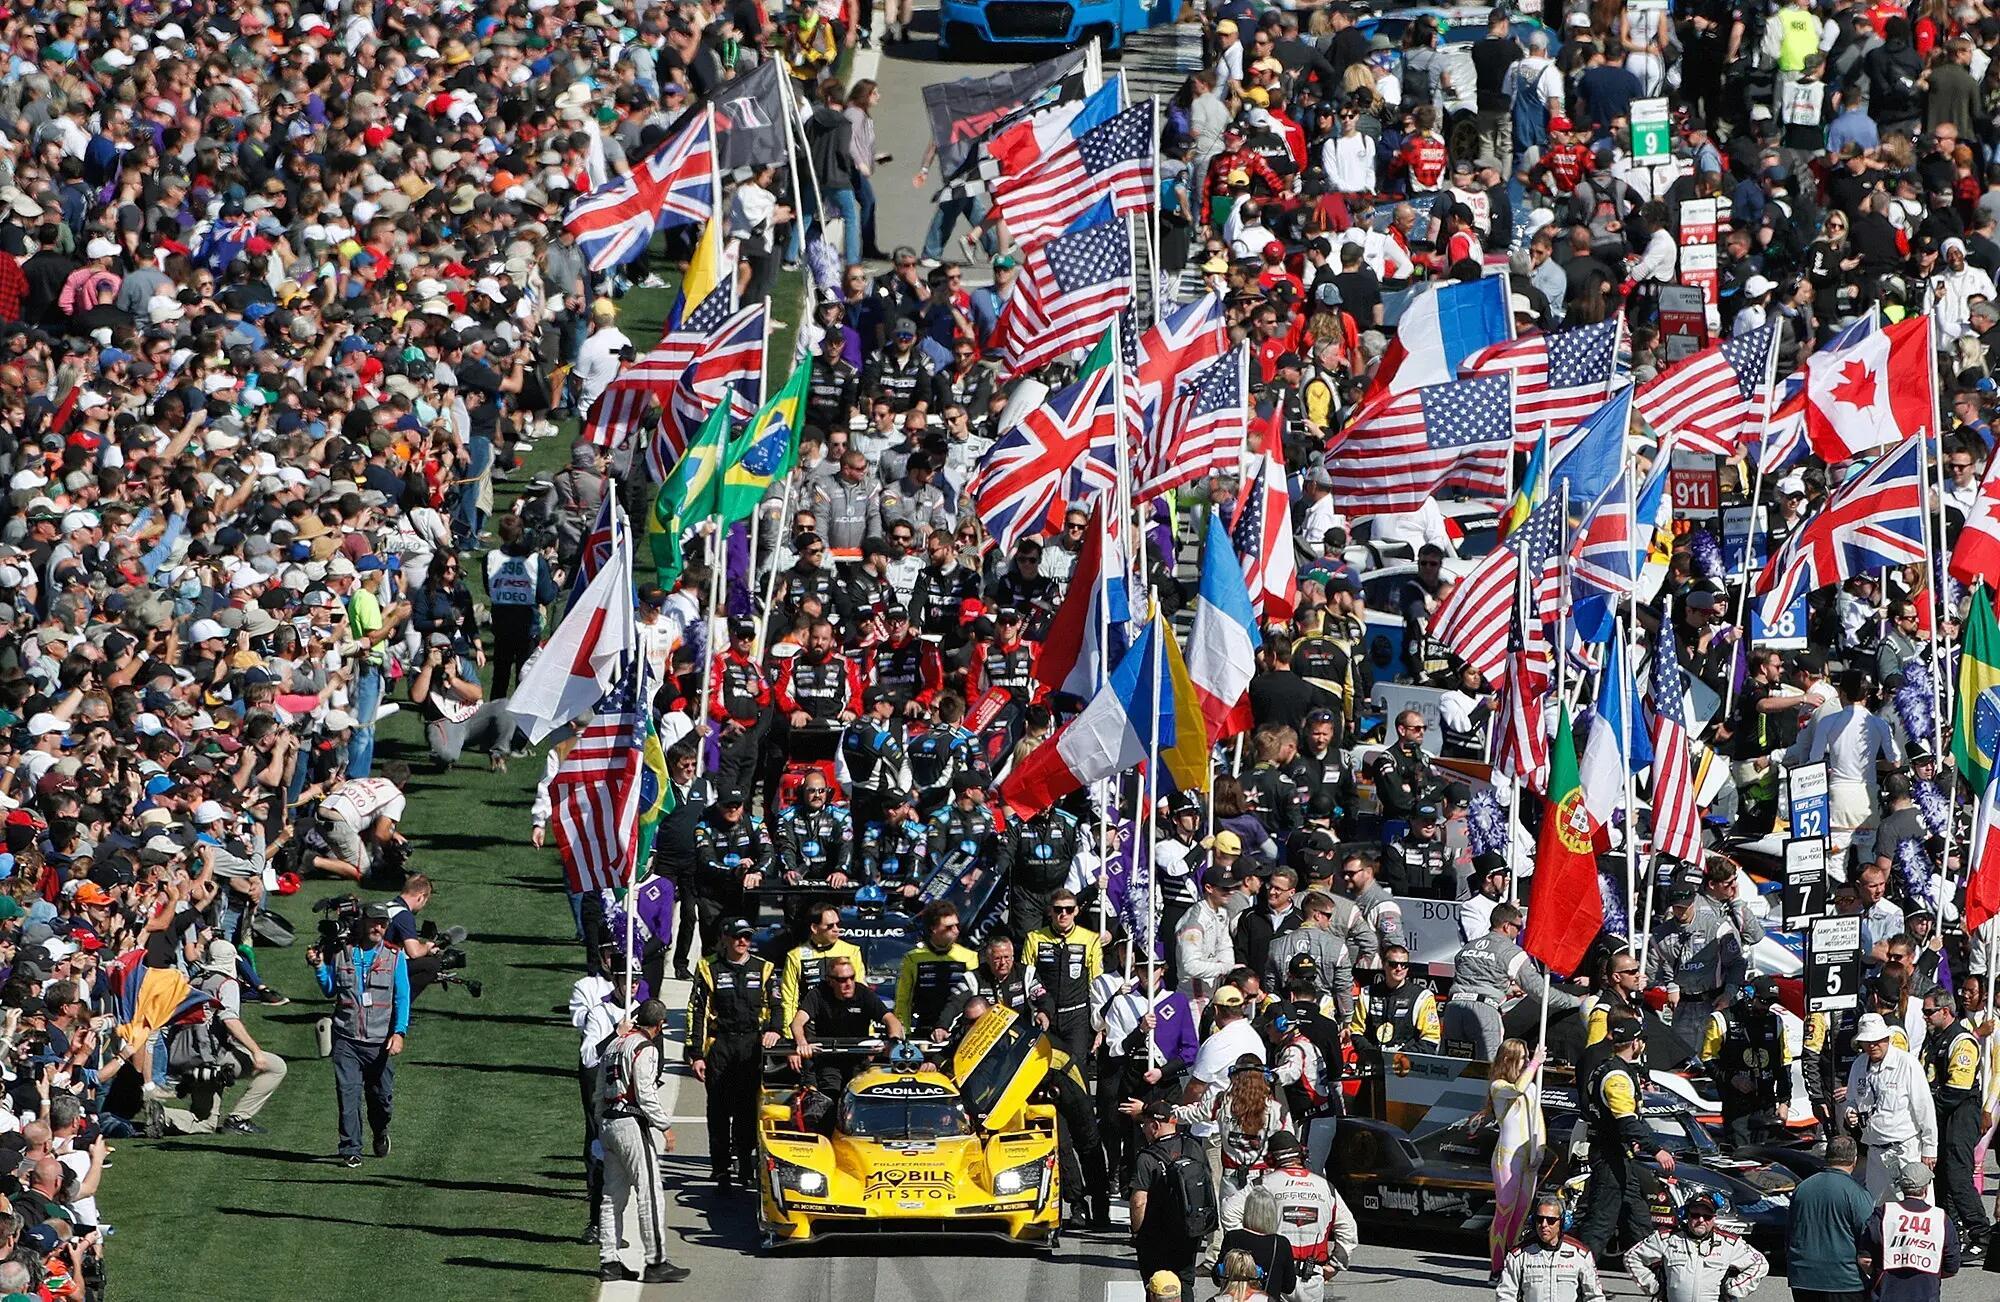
x,y
866,1118
1680,1134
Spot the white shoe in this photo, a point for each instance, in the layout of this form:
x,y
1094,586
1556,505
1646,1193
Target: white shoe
x,y
927,263
653,281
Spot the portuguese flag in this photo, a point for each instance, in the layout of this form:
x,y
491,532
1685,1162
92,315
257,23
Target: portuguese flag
x,y
1565,912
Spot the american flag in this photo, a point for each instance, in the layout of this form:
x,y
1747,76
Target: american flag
x,y
595,792
1202,430
1403,448
1560,377
1715,400
1676,820
672,186
1068,291
1524,740
1871,521
727,367
622,407
1262,536
1113,159
1024,474
1476,622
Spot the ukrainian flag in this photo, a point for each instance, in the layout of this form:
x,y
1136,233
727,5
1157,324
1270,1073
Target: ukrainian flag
x,y
767,449
1187,759
1534,486
1975,733
689,495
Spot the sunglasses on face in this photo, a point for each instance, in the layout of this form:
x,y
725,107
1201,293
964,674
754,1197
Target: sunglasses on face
x,y
1548,1220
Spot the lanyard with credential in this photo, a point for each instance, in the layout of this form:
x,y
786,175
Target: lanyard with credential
x,y
361,997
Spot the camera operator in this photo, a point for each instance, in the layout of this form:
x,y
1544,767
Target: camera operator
x,y
369,982
424,954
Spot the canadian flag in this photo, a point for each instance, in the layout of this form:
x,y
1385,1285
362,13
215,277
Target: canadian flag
x,y
1975,557
1874,392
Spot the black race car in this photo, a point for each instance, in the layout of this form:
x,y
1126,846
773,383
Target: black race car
x,y
1440,1182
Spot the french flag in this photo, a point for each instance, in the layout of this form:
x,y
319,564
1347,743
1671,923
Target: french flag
x,y
1439,331
564,680
1222,645
1073,651
1131,717
1032,139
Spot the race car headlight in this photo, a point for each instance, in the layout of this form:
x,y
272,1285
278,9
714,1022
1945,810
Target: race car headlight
x,y
1023,1178
790,1177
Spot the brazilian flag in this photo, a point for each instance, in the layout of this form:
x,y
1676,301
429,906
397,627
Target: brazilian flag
x,y
689,495
1975,733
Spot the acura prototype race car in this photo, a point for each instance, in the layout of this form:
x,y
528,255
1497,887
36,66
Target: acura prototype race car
x,y
1436,1177
913,1148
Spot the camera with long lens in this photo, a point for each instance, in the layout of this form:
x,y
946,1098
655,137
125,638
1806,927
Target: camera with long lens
x,y
451,959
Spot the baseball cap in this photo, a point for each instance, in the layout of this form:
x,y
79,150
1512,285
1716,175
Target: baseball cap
x,y
1625,1032
1228,843
738,927
1228,997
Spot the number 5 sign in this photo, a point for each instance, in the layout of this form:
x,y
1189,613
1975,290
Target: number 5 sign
x,y
1833,964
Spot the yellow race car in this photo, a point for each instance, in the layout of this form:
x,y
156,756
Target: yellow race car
x,y
914,1149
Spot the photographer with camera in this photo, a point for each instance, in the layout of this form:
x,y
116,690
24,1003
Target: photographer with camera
x,y
357,824
369,982
456,713
236,1054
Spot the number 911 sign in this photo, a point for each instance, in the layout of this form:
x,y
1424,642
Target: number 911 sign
x,y
1833,964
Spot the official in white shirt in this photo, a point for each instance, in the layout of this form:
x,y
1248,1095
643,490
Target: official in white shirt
x,y
1889,1102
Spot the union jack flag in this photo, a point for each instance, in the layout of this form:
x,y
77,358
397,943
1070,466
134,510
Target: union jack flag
x,y
1113,159
1068,291
1202,430
729,367
1872,521
650,380
595,791
1560,377
1716,400
1023,476
1676,819
1603,565
598,546
1163,357
672,186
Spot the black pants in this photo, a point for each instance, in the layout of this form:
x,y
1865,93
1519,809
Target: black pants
x,y
1027,910
587,1081
1823,1295
1613,1201
424,973
1958,1136
711,910
1116,1131
732,1105
1081,1147
687,924
737,755
514,640
1071,1031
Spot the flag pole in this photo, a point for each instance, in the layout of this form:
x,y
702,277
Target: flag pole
x,y
644,705
1937,653
757,515
1150,827
1750,528
792,124
715,207
1943,690
717,562
1159,309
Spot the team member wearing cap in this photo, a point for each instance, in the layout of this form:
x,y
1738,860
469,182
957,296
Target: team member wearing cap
x,y
1005,662
1482,975
1695,1262
1203,950
1951,1060
1417,862
1619,1136
733,1015
1744,1046
1316,1223
1889,1104
1549,1266
369,982
636,1130
1066,958
1404,778
1160,1236
807,964
1489,880
965,829
731,855
1910,1245
739,705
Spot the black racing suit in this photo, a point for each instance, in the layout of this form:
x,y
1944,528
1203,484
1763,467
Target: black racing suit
x,y
729,1009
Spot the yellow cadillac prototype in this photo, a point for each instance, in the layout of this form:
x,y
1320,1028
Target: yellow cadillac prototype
x,y
915,1149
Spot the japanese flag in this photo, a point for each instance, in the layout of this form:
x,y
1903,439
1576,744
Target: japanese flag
x,y
1875,392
